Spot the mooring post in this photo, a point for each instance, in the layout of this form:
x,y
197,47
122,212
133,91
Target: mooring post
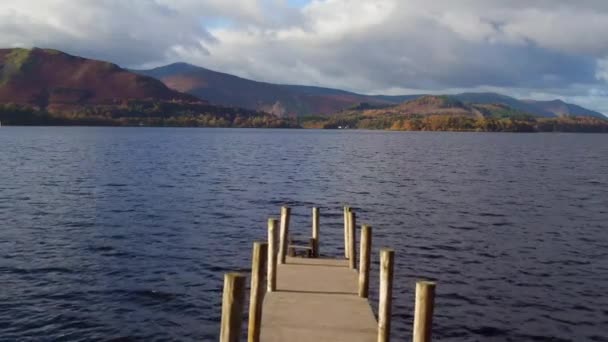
x,y
284,237
232,307
352,239
256,296
365,259
387,257
423,314
315,232
310,253
272,255
346,210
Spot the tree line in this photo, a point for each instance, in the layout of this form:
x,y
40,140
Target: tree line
x,y
458,123
176,114
143,113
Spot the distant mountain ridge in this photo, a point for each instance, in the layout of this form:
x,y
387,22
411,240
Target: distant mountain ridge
x,y
551,108
229,90
562,108
296,100
52,82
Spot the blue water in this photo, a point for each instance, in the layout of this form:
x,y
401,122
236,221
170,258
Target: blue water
x,y
125,233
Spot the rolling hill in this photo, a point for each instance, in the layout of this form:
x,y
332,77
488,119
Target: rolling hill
x,y
448,113
439,105
561,108
538,108
296,100
282,100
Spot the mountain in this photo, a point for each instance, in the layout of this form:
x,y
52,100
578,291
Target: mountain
x,y
43,86
230,90
42,82
538,108
55,81
561,108
282,100
494,98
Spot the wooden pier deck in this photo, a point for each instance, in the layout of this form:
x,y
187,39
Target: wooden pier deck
x,y
301,299
317,300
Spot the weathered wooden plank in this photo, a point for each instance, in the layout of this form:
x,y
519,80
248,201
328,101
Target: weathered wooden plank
x,y
317,300
300,247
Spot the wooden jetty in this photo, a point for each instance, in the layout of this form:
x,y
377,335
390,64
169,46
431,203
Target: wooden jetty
x,y
300,299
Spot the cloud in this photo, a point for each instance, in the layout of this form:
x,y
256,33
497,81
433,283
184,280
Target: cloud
x,y
602,69
542,48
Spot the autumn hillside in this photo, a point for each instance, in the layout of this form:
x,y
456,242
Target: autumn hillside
x,y
448,113
42,86
424,106
52,80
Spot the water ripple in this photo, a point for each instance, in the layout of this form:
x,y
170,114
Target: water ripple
x,y
123,234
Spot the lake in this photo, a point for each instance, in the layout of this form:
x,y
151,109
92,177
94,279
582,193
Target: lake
x,y
125,233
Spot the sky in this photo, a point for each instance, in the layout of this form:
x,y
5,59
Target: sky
x,y
539,49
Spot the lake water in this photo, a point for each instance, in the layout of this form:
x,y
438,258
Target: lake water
x,y
125,233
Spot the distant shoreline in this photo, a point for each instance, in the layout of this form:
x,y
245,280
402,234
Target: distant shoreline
x,y
298,128
167,114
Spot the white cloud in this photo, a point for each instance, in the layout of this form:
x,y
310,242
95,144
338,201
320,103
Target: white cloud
x,y
602,69
361,45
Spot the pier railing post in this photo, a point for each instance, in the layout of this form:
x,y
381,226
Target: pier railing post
x,y
423,315
284,237
310,253
365,259
272,255
387,257
346,210
352,240
233,299
315,232
256,297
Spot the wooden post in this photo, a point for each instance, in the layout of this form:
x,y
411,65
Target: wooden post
x,y
364,263
232,307
423,315
352,240
311,252
272,255
346,210
315,232
256,297
387,257
285,215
